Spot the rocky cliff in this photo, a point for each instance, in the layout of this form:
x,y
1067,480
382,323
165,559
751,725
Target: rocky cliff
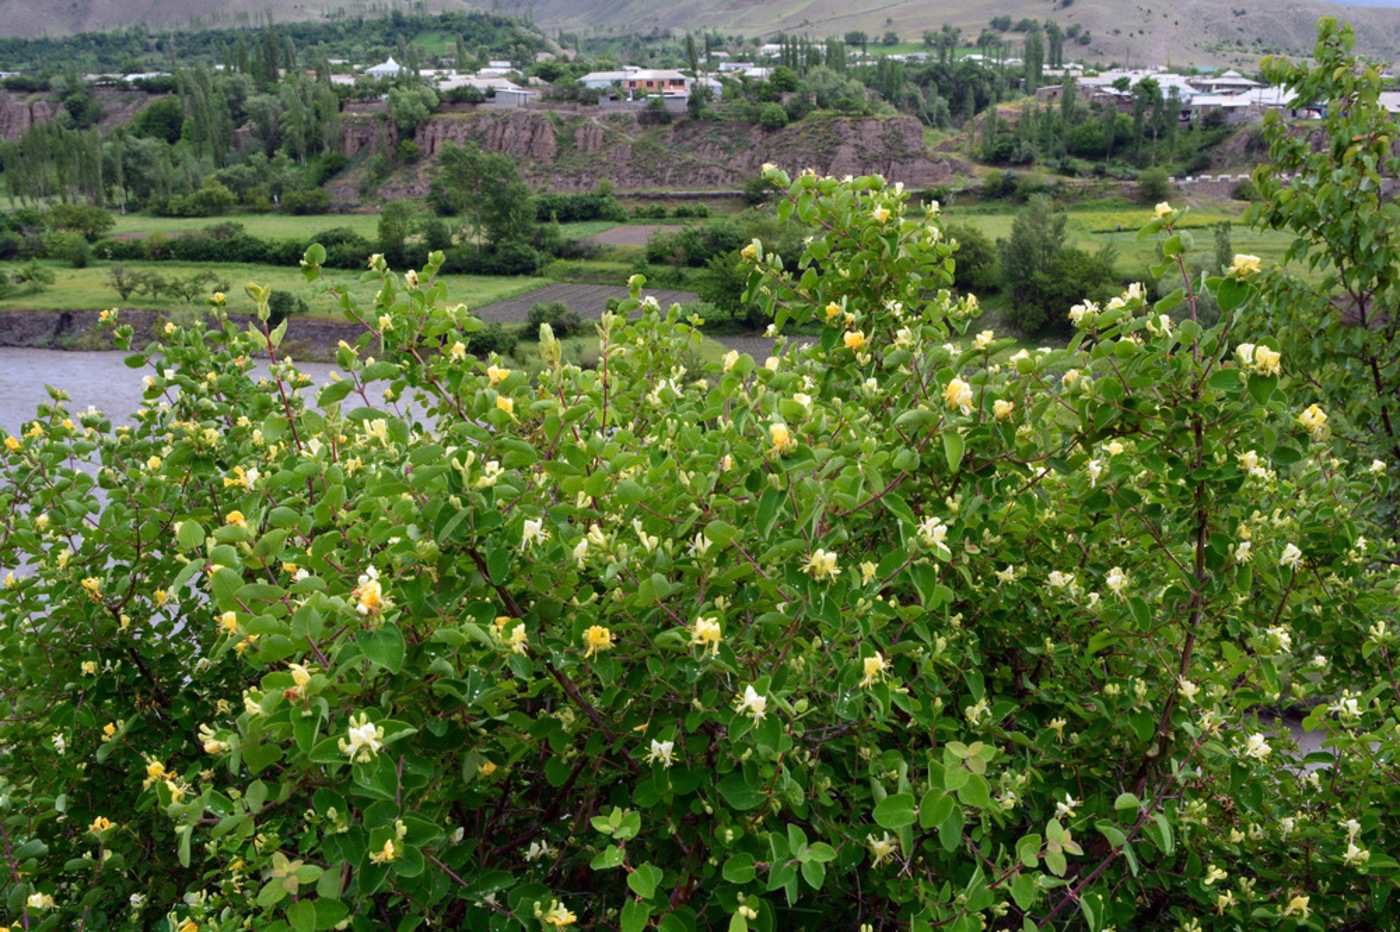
x,y
573,152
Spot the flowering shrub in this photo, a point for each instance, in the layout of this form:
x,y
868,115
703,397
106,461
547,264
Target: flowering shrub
x,y
900,628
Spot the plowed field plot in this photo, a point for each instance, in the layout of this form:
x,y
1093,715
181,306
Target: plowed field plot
x,y
632,234
588,300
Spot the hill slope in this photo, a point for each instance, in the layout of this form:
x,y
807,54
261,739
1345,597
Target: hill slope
x,y
1138,32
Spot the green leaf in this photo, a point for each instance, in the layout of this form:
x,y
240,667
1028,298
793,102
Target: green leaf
x,y
329,912
190,535
643,880
935,808
895,811
384,648
720,532
738,794
635,915
976,792
1127,801
302,915
739,868
1023,890
1028,850
953,447
1261,387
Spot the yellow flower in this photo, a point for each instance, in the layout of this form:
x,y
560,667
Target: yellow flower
x,y
1002,409
821,564
236,517
1266,361
1298,906
1162,210
93,586
880,214
854,340
519,640
89,667
109,731
506,405
497,374
875,667
218,299
386,854
706,634
229,622
155,770
153,463
458,350
13,445
100,825
749,252
958,396
1243,267
832,311
598,639
881,848
487,768
753,703
108,316
1313,420
782,438
300,675
558,916
40,901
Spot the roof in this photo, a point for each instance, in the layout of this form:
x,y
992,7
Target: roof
x,y
387,67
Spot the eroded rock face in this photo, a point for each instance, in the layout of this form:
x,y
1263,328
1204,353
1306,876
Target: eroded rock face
x,y
21,111
575,152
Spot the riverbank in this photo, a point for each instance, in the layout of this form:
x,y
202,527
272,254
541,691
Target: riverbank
x,y
307,337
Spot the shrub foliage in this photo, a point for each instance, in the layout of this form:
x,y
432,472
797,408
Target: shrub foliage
x,y
906,627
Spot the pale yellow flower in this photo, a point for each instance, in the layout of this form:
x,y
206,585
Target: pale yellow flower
x,y
854,340
957,395
706,634
880,214
558,916
1002,409
782,438
385,854
821,564
874,669
1244,266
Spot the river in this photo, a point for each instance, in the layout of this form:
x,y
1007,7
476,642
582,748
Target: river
x,y
99,379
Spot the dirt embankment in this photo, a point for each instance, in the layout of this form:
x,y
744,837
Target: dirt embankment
x,y
572,152
307,337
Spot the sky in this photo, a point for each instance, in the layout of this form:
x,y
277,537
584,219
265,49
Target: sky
x,y
1394,4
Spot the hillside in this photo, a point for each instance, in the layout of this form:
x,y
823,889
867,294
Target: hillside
x,y
25,18
575,152
1135,32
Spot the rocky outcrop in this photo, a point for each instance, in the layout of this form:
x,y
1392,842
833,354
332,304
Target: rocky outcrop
x,y
20,111
573,152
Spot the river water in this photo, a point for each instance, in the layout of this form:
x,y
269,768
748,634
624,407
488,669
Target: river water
x,y
99,379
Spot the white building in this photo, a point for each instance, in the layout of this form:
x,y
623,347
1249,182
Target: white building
x,y
386,69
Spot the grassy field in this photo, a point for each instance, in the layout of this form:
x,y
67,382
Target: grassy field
x,y
263,226
1100,223
89,288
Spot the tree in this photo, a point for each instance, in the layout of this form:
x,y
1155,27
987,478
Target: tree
x,y
162,120
395,227
1037,236
1153,185
486,188
1342,331
411,106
